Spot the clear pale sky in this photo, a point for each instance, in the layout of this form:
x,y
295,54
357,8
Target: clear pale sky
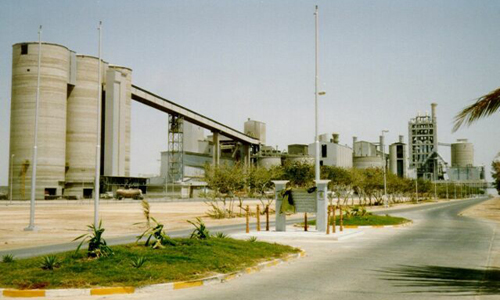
x,y
380,63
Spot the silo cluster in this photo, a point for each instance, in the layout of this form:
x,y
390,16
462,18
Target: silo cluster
x,y
67,120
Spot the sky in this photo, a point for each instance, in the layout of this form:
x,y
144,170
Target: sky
x,y
380,63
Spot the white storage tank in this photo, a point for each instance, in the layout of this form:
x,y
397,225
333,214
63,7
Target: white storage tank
x,y
269,161
365,162
55,76
462,153
256,129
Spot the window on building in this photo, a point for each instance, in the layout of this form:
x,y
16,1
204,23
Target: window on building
x,y
321,163
323,151
24,49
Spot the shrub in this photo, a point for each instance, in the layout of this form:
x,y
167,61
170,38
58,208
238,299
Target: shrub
x,y
252,239
156,233
8,258
97,244
221,235
50,262
138,262
200,231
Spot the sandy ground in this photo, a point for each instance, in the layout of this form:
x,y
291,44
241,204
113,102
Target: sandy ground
x,y
487,210
61,222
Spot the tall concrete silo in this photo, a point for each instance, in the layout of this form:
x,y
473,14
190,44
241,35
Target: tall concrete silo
x,y
116,128
54,79
81,128
462,154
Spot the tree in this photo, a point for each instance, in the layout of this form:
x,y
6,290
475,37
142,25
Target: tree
x,y
483,107
495,173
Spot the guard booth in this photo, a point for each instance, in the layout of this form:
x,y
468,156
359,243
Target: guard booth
x,y
315,202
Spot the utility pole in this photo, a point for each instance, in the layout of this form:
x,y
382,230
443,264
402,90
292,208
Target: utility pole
x,y
31,226
98,136
316,81
11,176
386,202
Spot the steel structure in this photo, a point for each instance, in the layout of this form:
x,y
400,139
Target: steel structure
x,y
175,148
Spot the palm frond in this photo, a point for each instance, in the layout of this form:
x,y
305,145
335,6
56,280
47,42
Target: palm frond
x,y
483,107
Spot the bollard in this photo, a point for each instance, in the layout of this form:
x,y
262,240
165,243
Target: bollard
x,y
305,222
334,208
267,217
341,216
248,218
328,220
258,217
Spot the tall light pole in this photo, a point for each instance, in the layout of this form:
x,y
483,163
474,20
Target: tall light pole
x,y
11,176
435,186
416,188
316,81
386,202
98,136
31,226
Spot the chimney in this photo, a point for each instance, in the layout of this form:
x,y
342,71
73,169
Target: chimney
x,y
401,138
335,139
433,107
354,140
381,143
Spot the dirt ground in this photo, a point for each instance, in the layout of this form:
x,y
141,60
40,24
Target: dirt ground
x,y
487,210
62,221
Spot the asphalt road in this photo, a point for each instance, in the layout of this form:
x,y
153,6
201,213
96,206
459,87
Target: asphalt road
x,y
442,255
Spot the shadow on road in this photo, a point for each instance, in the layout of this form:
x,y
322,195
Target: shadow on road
x,y
437,279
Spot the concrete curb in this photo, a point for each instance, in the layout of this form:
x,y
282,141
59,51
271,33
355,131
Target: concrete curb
x,y
101,291
378,226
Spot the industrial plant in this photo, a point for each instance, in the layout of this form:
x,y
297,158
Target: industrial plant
x,y
69,122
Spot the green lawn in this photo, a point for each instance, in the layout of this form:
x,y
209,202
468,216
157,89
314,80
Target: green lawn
x,y
366,220
188,259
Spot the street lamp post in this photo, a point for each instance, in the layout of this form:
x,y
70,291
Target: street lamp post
x,y
316,81
31,226
386,202
98,137
416,188
11,176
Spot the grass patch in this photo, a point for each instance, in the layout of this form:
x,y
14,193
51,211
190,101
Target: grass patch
x,y
188,259
366,220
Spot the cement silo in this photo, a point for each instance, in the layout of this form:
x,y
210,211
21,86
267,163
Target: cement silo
x,y
398,158
54,79
81,128
116,128
462,154
365,162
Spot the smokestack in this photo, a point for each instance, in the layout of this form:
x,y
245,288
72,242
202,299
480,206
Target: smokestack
x,y
335,139
433,107
401,138
354,140
381,143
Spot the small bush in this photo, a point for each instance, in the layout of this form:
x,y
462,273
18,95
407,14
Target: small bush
x,y
200,231
252,239
97,244
8,258
157,237
221,235
138,262
50,262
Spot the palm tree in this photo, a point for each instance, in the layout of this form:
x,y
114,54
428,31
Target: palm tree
x,y
483,107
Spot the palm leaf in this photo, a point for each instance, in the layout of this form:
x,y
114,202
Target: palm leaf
x,y
483,107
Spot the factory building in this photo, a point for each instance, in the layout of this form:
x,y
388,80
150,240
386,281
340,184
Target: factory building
x,y
67,129
366,154
398,160
423,154
331,153
462,163
68,121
